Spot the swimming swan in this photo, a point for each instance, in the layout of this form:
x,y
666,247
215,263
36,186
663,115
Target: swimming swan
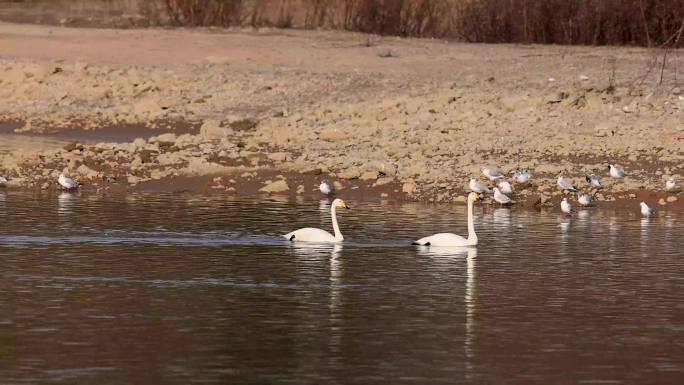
x,y
310,234
449,239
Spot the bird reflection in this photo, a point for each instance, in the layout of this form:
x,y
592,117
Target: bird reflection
x,y
65,202
564,226
645,222
469,298
470,310
336,282
502,217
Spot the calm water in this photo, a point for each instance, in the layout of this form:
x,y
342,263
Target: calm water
x,y
181,289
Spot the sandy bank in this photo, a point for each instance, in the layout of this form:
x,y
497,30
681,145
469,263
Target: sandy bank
x,y
384,117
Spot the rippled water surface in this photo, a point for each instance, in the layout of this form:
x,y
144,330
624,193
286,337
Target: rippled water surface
x,y
180,289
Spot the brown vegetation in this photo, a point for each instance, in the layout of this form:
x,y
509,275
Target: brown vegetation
x,y
587,22
578,22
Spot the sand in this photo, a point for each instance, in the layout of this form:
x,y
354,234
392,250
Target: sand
x,y
273,112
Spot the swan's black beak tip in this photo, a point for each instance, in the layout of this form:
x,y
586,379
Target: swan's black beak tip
x,y
347,207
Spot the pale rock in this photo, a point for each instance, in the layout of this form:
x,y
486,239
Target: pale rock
x,y
671,199
278,156
369,175
460,199
409,187
275,187
351,173
211,129
333,135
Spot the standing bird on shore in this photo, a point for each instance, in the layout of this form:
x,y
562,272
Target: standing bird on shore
x,y
585,200
476,186
492,174
645,210
594,181
566,207
670,185
506,188
522,176
3,181
501,198
616,172
67,183
325,188
565,184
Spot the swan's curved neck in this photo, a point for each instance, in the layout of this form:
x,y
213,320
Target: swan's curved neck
x,y
336,227
472,237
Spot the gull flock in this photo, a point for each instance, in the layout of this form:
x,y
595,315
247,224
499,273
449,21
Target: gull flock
x,y
502,193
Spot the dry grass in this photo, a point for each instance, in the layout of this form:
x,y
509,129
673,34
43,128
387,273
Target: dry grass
x,y
583,22
586,22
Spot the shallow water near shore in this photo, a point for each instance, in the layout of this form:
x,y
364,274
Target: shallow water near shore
x,y
105,289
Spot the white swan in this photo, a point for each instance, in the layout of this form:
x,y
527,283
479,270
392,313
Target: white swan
x,y
310,234
449,239
3,181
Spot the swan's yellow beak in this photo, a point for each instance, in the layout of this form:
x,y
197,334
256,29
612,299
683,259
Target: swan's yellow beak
x,y
344,204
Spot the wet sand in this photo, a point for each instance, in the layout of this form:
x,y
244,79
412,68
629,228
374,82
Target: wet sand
x,y
274,112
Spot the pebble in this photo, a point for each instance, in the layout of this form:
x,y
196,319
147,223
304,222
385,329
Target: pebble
x,y
409,188
275,187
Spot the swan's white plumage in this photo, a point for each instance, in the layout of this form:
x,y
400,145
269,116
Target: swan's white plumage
x,y
310,234
3,181
453,240
443,239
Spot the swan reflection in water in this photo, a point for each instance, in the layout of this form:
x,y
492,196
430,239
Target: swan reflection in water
x,y
470,253
311,252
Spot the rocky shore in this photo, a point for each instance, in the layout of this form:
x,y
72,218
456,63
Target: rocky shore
x,y
273,112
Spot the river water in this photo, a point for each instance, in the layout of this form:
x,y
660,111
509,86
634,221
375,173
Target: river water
x,y
184,289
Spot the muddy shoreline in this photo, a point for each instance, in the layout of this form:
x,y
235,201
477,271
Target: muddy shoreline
x,y
274,113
